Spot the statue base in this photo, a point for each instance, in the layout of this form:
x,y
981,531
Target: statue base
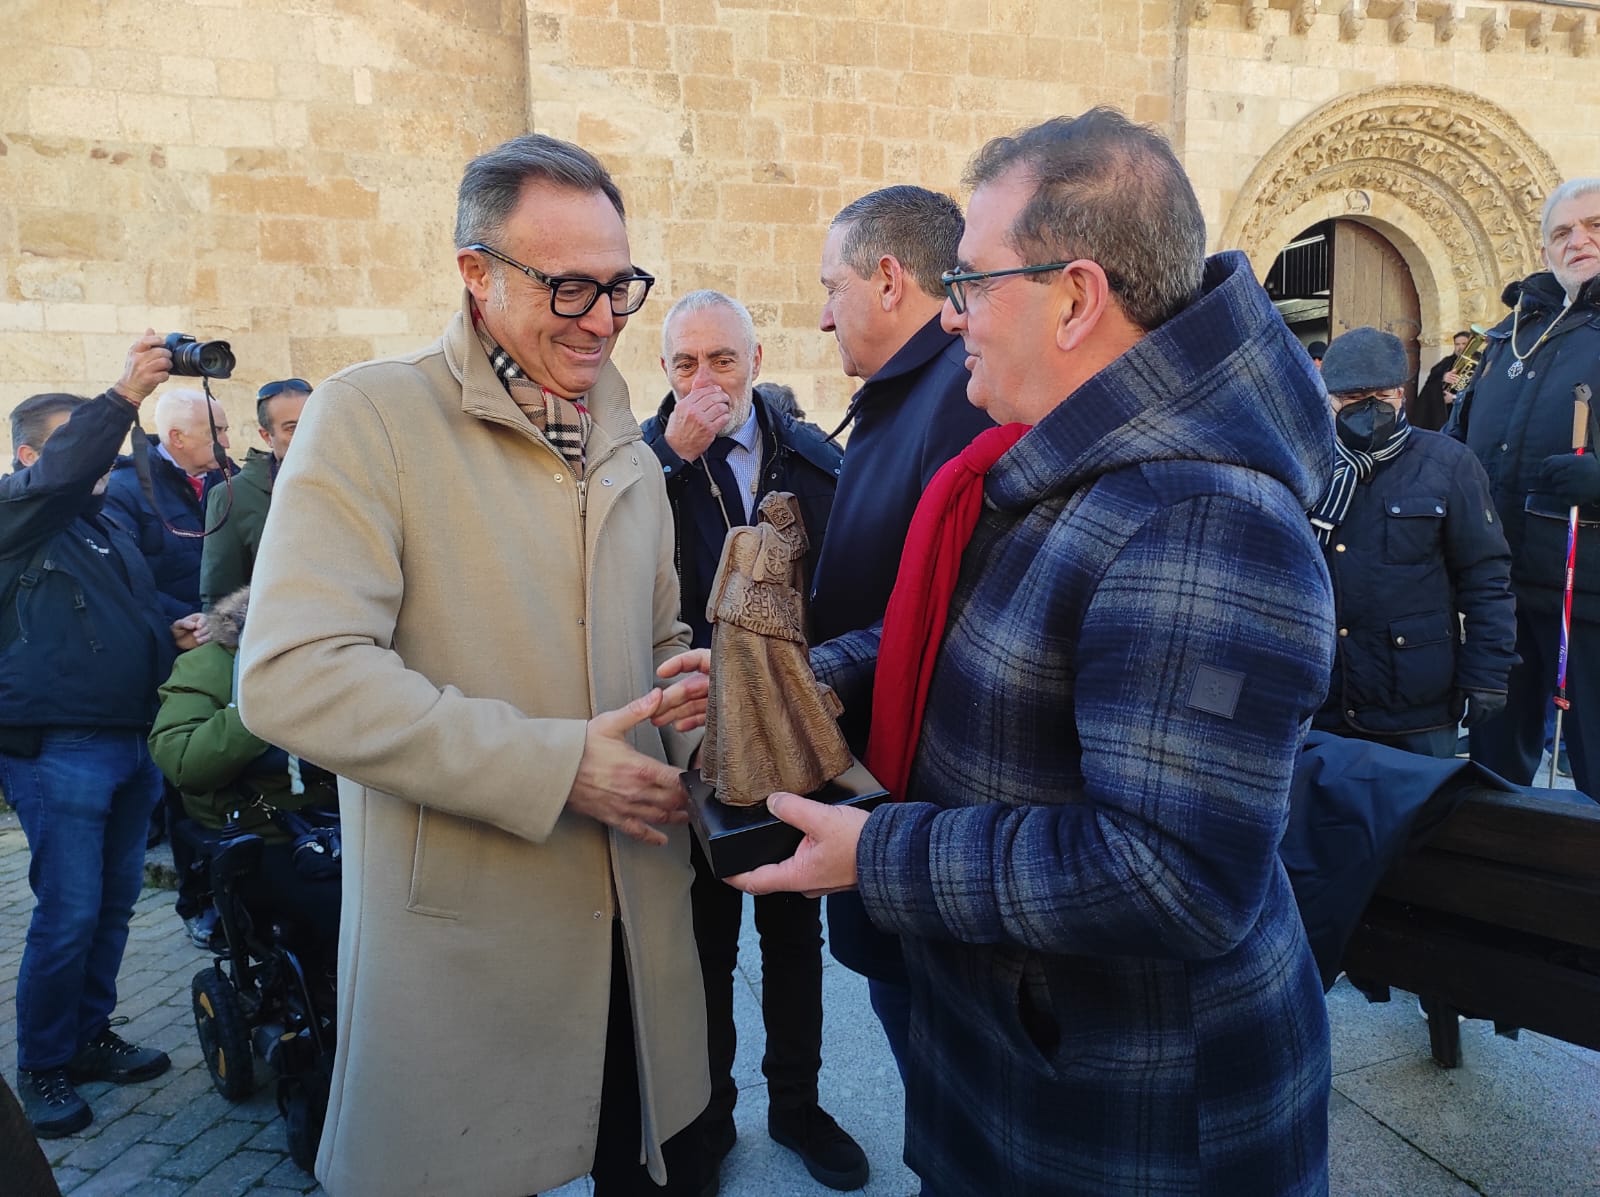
x,y
737,839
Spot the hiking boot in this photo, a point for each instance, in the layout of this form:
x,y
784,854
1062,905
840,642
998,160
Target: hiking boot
x,y
831,1156
110,1057
51,1103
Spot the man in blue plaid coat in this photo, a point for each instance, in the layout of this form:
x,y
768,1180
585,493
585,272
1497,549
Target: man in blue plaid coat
x,y
1111,989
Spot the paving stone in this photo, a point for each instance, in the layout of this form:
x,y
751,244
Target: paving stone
x,y
289,1177
130,1173
110,1140
185,1126
235,1173
209,1149
68,1179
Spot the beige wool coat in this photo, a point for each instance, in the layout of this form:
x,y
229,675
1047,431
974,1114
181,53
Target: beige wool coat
x,y
437,610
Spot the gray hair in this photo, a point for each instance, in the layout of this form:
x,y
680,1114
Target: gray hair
x,y
184,410
1113,192
918,228
1571,189
700,301
492,183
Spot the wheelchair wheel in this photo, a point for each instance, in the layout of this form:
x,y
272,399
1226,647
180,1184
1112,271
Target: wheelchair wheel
x,y
304,1104
224,1035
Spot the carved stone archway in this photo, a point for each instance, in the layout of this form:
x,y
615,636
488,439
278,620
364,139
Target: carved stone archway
x,y
1451,179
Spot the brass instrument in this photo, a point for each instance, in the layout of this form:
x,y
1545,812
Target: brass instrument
x,y
1466,363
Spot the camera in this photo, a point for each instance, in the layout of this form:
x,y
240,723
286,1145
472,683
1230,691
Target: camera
x,y
200,359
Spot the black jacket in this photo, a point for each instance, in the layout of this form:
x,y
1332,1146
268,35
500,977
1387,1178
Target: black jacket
x,y
911,417
85,642
1420,543
174,560
1429,409
794,458
1514,424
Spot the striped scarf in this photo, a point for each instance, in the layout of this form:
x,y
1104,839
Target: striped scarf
x,y
1350,468
564,422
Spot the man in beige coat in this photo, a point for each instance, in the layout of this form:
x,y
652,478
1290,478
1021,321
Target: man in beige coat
x,y
462,599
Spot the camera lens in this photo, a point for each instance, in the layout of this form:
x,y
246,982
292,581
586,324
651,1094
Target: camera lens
x,y
195,359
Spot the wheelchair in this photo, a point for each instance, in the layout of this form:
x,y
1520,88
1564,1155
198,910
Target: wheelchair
x,y
268,995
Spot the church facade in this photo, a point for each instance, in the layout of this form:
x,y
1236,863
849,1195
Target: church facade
x,y
281,173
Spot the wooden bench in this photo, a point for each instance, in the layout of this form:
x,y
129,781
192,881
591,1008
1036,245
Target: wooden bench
x,y
1496,915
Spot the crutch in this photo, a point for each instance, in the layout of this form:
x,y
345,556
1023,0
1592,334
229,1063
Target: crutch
x,y
1580,434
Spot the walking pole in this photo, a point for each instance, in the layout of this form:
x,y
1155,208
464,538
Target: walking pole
x,y
1580,434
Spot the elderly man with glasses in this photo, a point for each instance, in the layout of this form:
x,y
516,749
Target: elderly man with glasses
x,y
461,604
229,555
1110,628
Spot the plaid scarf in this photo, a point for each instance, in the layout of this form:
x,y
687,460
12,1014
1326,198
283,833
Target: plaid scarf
x,y
1350,467
564,422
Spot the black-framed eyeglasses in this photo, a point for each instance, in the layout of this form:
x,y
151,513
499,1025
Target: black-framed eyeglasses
x,y
273,389
572,295
956,282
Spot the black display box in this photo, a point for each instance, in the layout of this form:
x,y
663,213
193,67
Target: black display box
x,y
737,839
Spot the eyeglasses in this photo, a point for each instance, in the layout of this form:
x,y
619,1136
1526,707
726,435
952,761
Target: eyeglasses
x,y
273,389
956,282
572,295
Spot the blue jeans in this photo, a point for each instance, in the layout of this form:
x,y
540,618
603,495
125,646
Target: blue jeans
x,y
84,803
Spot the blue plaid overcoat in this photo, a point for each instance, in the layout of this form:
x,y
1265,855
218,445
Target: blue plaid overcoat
x,y
1112,992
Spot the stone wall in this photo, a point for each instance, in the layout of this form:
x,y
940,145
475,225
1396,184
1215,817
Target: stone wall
x,y
277,173
282,172
739,127
1484,107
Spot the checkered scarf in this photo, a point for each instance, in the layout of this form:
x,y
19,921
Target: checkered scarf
x,y
564,422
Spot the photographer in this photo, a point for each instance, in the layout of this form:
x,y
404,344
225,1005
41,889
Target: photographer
x,y
83,646
166,514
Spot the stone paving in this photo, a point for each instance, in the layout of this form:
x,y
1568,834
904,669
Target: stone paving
x,y
1517,1119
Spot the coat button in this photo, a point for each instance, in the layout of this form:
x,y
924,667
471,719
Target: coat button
x,y
558,477
1400,640
597,914
1504,446
635,460
1394,511
1438,510
1344,631
1338,548
580,621
1349,714
605,482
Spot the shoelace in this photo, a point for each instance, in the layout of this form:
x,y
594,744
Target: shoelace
x,y
53,1087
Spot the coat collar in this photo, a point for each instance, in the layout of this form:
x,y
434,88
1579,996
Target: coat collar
x,y
484,397
927,343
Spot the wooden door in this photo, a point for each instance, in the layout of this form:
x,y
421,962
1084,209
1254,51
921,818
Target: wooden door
x,y
1372,286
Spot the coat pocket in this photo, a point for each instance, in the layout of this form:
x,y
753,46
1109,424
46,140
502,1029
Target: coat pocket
x,y
442,864
1423,651
1413,529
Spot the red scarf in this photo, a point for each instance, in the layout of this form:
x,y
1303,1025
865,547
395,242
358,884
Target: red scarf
x,y
913,626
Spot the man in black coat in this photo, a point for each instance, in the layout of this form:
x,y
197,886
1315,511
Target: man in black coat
x,y
1416,556
1431,407
723,448
881,265
83,645
1517,417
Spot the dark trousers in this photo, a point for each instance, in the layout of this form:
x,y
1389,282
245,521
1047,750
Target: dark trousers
x,y
617,1171
1512,743
790,927
192,882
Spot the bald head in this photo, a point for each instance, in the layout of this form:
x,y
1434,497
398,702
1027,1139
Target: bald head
x,y
186,433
